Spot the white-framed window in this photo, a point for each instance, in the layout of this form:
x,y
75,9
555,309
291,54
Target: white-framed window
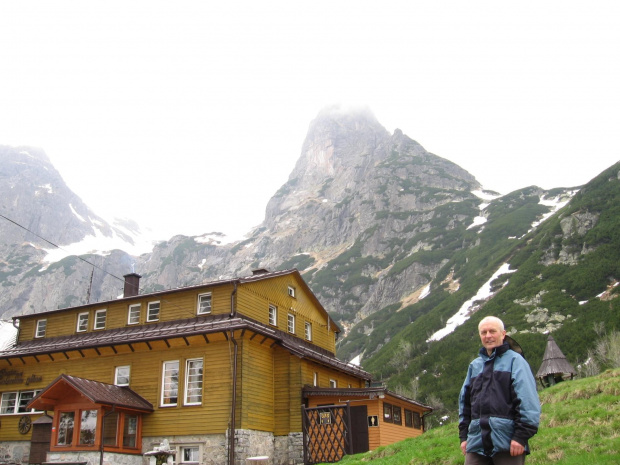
x,y
273,315
152,313
133,314
193,382
41,328
190,454
308,331
15,402
291,323
204,303
170,383
121,375
100,317
82,322
315,380
333,383
291,291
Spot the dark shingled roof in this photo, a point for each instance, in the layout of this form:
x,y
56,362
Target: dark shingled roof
x,y
202,325
554,361
95,391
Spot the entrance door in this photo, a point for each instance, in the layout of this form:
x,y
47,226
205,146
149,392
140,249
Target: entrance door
x,y
359,429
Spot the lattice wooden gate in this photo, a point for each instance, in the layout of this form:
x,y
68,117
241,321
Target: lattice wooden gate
x,y
327,436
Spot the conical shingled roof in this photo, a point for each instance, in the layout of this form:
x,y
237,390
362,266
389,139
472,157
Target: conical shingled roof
x,y
554,361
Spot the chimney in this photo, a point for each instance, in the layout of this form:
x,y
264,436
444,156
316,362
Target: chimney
x,y
259,271
132,285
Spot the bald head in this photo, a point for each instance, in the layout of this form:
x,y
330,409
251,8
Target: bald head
x,y
493,320
492,333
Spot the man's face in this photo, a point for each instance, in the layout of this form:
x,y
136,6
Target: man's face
x,y
491,336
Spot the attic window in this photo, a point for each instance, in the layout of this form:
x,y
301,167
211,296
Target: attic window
x,y
100,317
153,312
41,327
82,323
204,303
291,291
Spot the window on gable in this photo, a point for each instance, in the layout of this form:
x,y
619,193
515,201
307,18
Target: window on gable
x,y
193,382
82,323
100,317
153,312
41,327
308,331
273,315
315,380
291,291
133,315
291,323
170,383
204,303
121,376
333,383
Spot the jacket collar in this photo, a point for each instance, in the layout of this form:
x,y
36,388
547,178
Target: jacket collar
x,y
498,351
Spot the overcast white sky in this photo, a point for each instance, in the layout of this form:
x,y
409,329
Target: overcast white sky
x,y
188,116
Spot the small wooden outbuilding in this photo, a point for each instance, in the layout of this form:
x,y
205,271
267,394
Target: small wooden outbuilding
x,y
554,367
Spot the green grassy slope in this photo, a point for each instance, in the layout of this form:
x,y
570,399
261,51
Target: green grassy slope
x,y
580,423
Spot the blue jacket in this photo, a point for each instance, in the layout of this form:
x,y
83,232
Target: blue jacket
x,y
498,402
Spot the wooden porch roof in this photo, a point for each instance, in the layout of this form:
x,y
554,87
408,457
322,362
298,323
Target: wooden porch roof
x,y
95,391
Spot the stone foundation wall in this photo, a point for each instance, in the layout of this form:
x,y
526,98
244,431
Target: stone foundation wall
x,y
18,452
281,450
93,458
14,452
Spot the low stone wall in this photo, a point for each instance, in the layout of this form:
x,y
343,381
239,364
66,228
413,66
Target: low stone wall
x,y
18,452
281,450
94,458
14,452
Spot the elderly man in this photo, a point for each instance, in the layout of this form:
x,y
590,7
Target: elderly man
x,y
499,409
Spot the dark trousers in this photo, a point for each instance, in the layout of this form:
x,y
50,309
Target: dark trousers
x,y
501,458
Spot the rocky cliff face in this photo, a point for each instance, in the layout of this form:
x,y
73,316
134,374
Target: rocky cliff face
x,y
41,212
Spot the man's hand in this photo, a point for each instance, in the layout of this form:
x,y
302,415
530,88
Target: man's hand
x,y
515,448
464,447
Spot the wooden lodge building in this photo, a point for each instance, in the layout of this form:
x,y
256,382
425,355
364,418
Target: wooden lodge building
x,y
219,373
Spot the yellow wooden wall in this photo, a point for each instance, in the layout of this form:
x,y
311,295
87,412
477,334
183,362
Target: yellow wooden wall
x,y
270,380
176,305
390,432
385,433
253,300
146,373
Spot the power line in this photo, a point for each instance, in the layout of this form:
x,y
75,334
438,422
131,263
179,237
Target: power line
x,y
59,247
86,261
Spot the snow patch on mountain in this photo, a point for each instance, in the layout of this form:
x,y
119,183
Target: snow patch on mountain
x,y
469,307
